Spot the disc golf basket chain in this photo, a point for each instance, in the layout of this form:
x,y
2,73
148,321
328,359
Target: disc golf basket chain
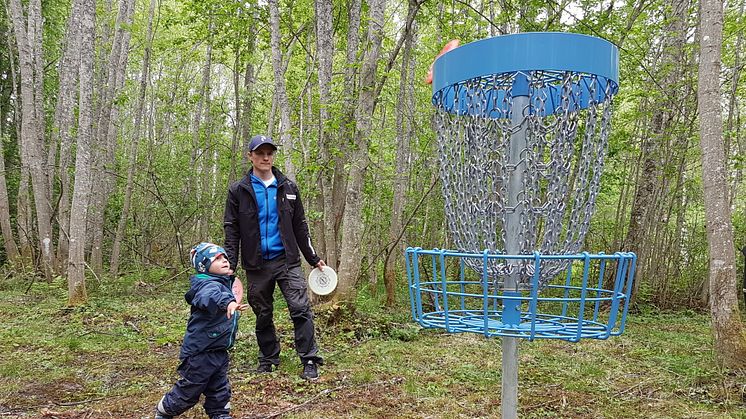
x,y
523,123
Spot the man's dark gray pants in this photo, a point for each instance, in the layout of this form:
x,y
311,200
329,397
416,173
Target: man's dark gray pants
x,y
261,287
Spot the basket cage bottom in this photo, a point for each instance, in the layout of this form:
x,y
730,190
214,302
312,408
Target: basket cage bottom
x,y
589,298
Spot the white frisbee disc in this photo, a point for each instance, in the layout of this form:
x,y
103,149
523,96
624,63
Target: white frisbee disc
x,y
322,282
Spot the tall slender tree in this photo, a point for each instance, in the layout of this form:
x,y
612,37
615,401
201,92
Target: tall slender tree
x,y
281,94
730,341
6,229
325,60
352,228
663,106
106,131
76,287
134,142
64,115
27,30
404,121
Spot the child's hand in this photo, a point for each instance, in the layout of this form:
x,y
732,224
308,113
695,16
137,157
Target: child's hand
x,y
233,306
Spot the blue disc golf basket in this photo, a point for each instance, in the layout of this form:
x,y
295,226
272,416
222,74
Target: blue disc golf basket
x,y
522,123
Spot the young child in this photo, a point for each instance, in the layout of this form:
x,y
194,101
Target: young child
x,y
215,295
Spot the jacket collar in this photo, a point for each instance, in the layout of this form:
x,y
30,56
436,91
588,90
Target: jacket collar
x,y
246,180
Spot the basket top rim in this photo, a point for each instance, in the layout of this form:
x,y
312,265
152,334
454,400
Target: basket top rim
x,y
527,51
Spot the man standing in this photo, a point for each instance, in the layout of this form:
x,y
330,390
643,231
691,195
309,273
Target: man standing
x,y
265,221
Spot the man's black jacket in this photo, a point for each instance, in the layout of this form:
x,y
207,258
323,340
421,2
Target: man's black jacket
x,y
241,224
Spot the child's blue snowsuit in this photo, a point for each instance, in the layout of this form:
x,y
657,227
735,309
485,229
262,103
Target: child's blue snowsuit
x,y
204,353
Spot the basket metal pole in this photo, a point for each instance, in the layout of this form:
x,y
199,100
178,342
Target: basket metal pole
x,y
512,245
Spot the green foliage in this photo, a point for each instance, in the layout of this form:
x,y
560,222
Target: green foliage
x,y
177,191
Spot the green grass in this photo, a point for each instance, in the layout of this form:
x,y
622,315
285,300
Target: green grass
x,y
116,356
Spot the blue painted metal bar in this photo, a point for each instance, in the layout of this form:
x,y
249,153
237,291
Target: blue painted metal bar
x,y
601,271
534,293
418,296
433,257
628,286
408,266
485,292
444,285
568,281
462,284
583,291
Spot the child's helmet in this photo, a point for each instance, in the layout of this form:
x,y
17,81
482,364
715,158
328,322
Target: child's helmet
x,y
203,254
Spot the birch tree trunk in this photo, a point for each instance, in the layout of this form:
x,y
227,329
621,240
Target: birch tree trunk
x,y
106,131
334,197
281,94
732,133
201,151
237,121
9,242
63,124
132,163
352,228
28,40
248,83
23,208
325,60
644,210
730,341
404,116
76,289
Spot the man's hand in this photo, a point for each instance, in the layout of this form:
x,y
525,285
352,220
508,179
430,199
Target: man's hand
x,y
320,265
233,306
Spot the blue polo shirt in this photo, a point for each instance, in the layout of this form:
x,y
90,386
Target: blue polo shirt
x,y
266,199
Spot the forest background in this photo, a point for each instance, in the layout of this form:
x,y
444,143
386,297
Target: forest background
x,y
123,122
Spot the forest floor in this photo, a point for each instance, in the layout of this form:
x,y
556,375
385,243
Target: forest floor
x,y
116,356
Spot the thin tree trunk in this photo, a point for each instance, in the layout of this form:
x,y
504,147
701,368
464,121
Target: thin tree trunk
x,y
63,124
46,175
248,83
281,89
103,159
351,252
76,289
144,77
404,115
325,60
237,122
731,132
28,41
200,151
646,206
23,210
730,341
9,242
334,197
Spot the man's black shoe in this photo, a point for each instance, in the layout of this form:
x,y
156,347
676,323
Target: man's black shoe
x,y
310,371
264,368
159,415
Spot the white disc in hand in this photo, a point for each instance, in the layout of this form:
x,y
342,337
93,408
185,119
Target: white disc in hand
x,y
322,282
